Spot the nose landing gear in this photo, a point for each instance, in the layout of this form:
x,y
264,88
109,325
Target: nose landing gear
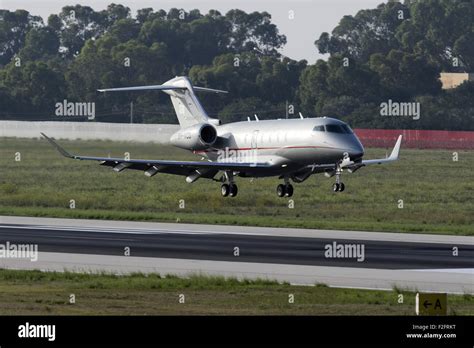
x,y
338,186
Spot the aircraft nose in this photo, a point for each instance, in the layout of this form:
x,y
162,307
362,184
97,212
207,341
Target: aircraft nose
x,y
356,150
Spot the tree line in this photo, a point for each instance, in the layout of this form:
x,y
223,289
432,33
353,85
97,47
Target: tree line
x,y
394,52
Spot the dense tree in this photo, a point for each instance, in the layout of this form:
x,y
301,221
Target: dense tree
x,y
14,26
405,75
40,43
247,75
314,90
368,32
241,109
41,86
438,30
394,51
254,30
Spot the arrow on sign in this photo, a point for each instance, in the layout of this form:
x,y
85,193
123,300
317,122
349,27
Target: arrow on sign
x,y
426,304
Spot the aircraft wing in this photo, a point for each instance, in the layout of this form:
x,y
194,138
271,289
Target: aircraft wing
x,y
205,169
393,157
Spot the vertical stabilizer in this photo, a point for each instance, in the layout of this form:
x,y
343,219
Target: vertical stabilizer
x,y
186,105
182,93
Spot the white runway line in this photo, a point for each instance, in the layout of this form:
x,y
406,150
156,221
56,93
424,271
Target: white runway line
x,y
449,282
99,229
118,230
469,271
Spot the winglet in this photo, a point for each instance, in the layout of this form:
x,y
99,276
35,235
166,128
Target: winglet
x,y
396,149
393,156
56,145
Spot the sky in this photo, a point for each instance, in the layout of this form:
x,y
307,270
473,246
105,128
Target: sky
x,y
309,19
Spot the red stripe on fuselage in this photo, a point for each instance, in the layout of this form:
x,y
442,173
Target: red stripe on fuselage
x,y
270,148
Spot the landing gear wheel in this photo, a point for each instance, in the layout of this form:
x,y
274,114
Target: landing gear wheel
x,y
341,187
289,190
225,190
281,190
233,190
338,187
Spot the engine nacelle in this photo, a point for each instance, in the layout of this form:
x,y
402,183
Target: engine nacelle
x,y
198,137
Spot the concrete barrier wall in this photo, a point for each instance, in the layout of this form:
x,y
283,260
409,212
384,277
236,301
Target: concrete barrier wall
x,y
158,133
161,133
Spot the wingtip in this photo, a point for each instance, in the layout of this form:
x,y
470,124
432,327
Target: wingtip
x,y
61,150
396,148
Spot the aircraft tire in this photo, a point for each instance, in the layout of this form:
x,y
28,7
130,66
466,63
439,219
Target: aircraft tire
x,y
281,190
225,190
233,190
341,187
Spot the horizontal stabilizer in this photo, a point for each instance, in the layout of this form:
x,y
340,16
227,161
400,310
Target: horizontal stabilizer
x,y
160,87
211,90
183,97
141,88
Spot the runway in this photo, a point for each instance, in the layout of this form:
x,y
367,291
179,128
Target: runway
x,y
298,256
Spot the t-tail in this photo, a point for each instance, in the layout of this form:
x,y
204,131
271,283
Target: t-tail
x,y
182,93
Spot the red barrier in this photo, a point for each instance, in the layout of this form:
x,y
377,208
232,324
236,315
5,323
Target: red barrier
x,y
420,139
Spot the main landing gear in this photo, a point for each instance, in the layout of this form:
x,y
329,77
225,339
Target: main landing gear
x,y
229,189
338,186
285,190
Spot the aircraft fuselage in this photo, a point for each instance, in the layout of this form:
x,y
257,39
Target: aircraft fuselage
x,y
287,144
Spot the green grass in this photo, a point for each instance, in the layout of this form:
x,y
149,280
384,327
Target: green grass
x,y
437,192
35,292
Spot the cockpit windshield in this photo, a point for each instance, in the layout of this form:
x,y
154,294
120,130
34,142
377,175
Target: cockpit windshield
x,y
347,128
334,128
